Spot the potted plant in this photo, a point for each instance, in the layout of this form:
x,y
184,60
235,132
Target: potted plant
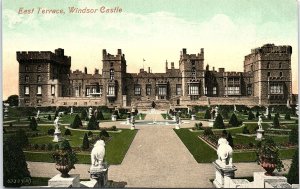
x,y
64,159
268,156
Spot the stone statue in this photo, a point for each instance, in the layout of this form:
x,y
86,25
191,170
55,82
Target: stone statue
x,y
90,112
267,111
234,108
213,112
56,124
97,154
71,111
37,114
217,111
259,123
224,152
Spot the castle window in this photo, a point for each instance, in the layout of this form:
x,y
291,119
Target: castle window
x,y
52,101
100,90
52,90
26,78
38,101
112,74
280,65
26,68
27,101
178,89
148,90
39,90
233,90
75,103
268,65
214,90
111,64
249,90
65,103
85,103
193,71
194,90
39,79
39,68
26,90
162,91
276,89
269,74
87,91
137,90
280,74
76,91
193,62
111,90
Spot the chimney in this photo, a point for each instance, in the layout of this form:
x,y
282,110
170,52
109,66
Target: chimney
x,y
85,70
148,69
213,69
120,51
202,51
183,51
172,65
104,52
221,70
141,70
96,71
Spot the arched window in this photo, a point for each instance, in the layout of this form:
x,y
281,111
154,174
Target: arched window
x,y
194,71
39,79
39,68
112,74
280,74
26,78
268,65
111,64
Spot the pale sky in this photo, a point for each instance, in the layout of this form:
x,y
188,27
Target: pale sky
x,y
152,30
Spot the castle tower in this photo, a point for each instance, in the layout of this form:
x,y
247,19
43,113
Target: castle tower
x,y
113,73
191,68
271,68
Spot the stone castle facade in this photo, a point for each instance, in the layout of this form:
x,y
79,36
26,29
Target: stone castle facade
x,y
45,79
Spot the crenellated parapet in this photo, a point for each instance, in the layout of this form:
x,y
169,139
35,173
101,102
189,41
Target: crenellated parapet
x,y
108,56
44,56
184,55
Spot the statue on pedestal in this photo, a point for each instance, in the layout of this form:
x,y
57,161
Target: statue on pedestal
x,y
57,133
224,152
37,114
71,113
90,112
98,154
259,123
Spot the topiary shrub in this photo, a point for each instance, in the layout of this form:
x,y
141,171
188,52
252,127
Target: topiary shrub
x,y
287,116
90,133
230,140
245,130
68,132
51,132
219,124
49,117
103,135
234,120
250,115
293,174
33,124
257,114
276,123
84,115
293,136
76,122
21,138
114,128
100,115
207,114
269,116
85,142
93,124
10,124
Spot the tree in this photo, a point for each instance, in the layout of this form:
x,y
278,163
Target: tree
x,y
207,114
84,115
269,116
76,122
85,142
100,115
93,124
276,123
13,100
293,137
257,114
234,121
14,163
293,175
230,139
250,115
219,124
21,138
287,116
49,117
68,132
33,124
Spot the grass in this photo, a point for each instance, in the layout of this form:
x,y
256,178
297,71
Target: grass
x,y
116,148
166,116
205,154
39,181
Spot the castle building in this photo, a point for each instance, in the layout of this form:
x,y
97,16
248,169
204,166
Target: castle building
x,y
45,79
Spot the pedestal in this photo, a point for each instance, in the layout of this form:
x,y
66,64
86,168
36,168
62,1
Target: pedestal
x,y
259,134
100,175
114,117
128,121
260,179
224,174
211,122
193,118
132,127
58,181
174,118
57,136
177,126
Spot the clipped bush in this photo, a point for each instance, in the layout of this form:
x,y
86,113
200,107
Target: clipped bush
x,y
103,134
49,117
276,123
293,174
33,124
207,114
219,124
51,132
269,116
114,128
10,124
84,115
234,120
68,132
21,139
287,116
90,133
93,124
293,136
208,132
224,133
76,122
100,115
250,115
85,142
245,130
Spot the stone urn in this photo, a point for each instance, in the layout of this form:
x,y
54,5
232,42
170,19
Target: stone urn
x,y
64,170
268,164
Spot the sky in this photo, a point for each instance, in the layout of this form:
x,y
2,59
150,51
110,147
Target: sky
x,y
152,30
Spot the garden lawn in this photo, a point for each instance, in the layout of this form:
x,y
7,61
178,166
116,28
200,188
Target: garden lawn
x,y
205,154
116,148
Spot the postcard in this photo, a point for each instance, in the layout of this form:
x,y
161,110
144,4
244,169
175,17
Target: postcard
x,y
150,94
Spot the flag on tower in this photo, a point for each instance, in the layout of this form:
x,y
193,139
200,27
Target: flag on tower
x,y
144,60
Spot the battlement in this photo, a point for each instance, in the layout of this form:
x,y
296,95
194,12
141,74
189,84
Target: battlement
x,y
184,55
47,56
271,48
233,74
118,56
